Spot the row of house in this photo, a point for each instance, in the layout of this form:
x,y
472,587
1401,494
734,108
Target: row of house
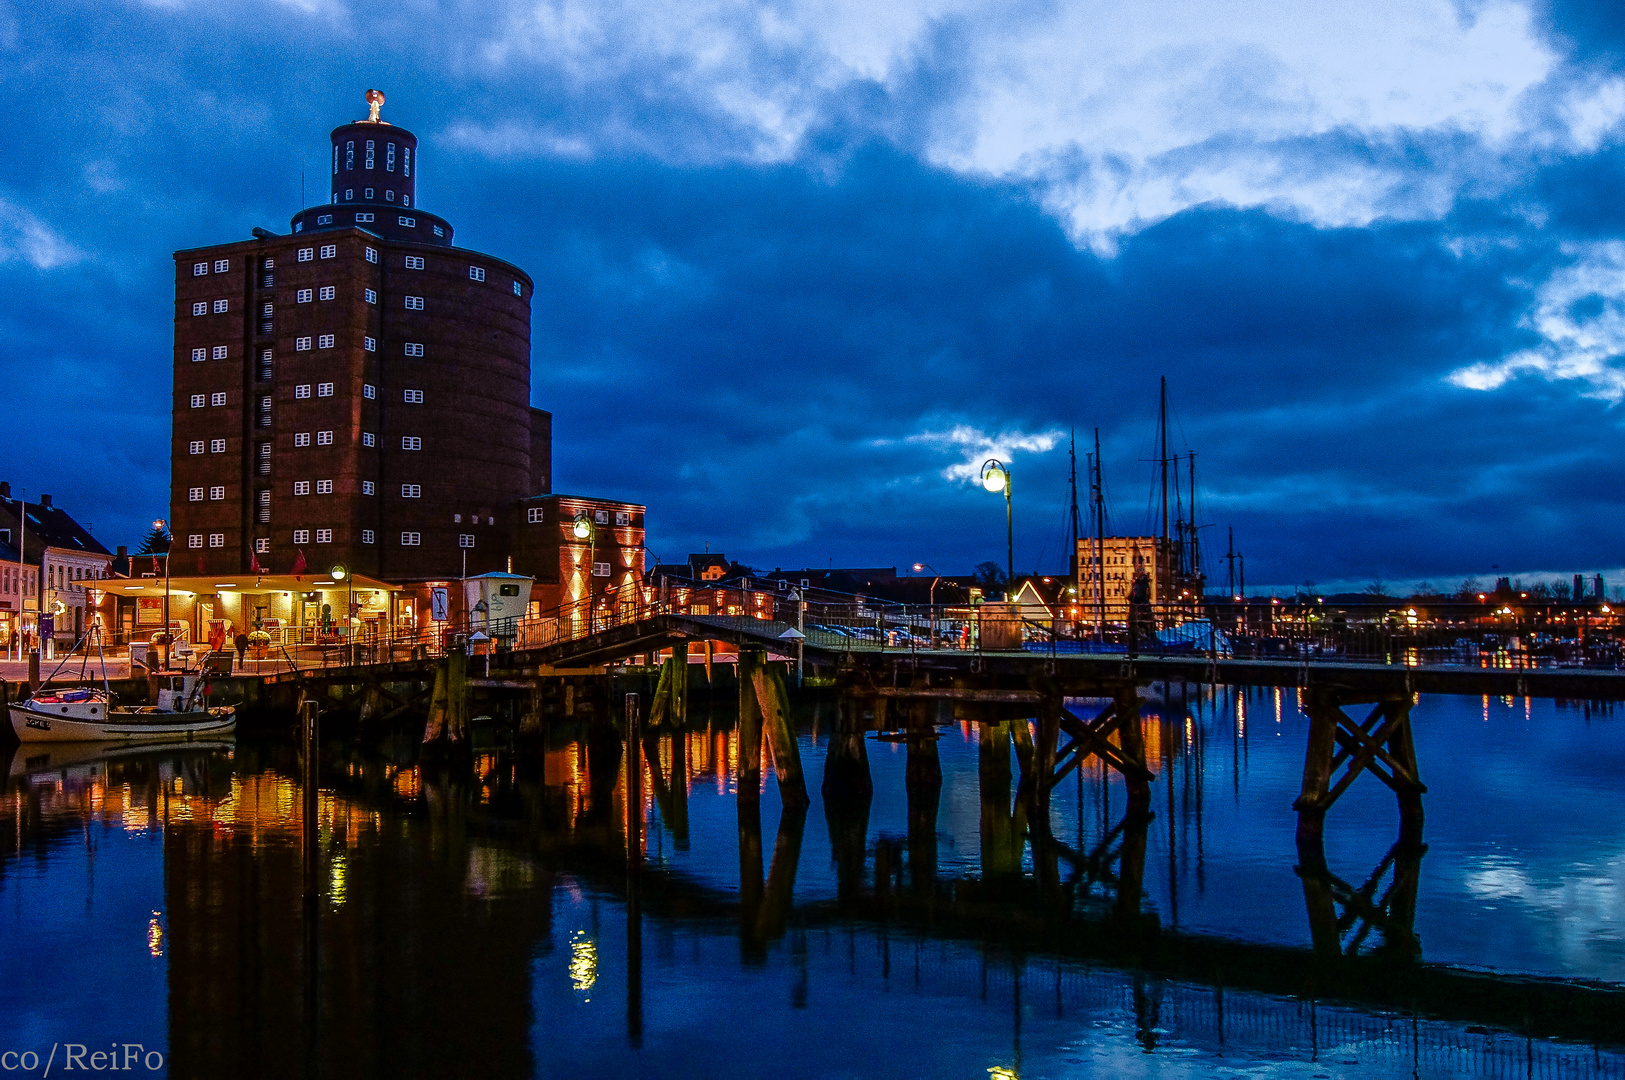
x,y
49,566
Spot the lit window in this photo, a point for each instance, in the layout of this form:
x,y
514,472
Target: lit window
x,y
414,348
366,536
217,446
324,536
324,219
267,311
306,254
622,517
411,442
366,487
411,491
600,569
369,344
301,536
217,492
220,351
301,344
371,295
414,397
301,391
458,518
438,231
465,540
410,223
364,219
217,399
198,400
200,308
325,341
222,265
194,494
199,269
264,496
200,354
406,200
368,439
369,391
535,514
324,389
517,291
414,303
301,438
303,296
329,250
600,517
262,545
324,487
372,255
414,262
324,438
328,292
195,540
301,487
217,540
411,539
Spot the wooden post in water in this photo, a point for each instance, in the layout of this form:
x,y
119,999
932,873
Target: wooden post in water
x,y
1403,749
993,758
634,876
634,781
923,780
846,764
1131,737
773,704
1317,769
750,727
310,852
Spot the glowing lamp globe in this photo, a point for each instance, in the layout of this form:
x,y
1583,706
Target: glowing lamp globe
x,y
994,480
582,529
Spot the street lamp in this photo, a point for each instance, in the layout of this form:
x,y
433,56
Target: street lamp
x,y
996,478
584,529
169,642
342,573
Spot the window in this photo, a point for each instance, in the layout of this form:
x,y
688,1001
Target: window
x,y
198,400
299,226
200,308
217,446
199,354
366,193
217,492
406,161
406,200
349,158
368,439
476,273
363,219
517,291
369,344
600,569
217,540
600,517
414,397
303,296
221,306
301,391
301,536
329,250
267,311
414,348
306,254
535,515
438,231
410,223
301,344
411,442
372,255
222,265
262,545
414,262
411,539
217,399
328,292
366,487
371,295
465,540
325,341
324,219
411,491
324,536
458,518
197,446
199,269
220,351
324,487
324,438
324,389
269,264
622,517
194,494
265,411
264,496
389,157
369,153
366,536
301,487
369,391
301,438
265,365
414,303
195,540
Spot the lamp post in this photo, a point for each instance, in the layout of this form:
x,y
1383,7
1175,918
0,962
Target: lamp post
x,y
584,529
933,597
169,643
996,478
340,572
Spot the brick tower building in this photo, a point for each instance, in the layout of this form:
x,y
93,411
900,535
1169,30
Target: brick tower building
x,y
358,391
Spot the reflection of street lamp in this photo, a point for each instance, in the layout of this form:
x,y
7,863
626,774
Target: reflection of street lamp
x,y
996,478
169,550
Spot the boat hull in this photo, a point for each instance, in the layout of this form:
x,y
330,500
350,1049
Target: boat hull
x,y
33,726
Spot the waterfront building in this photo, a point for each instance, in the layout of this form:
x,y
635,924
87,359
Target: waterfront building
x,y
1107,579
57,571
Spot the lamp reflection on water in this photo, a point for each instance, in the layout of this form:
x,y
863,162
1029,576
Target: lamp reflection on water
x,y
583,963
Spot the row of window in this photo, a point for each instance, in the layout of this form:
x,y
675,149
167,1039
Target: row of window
x,y
600,517
302,439
323,341
215,493
201,307
221,266
199,400
217,352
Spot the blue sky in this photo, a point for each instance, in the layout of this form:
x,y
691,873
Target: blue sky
x,y
801,266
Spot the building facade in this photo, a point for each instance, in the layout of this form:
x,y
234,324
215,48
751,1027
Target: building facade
x,y
356,392
1105,581
50,564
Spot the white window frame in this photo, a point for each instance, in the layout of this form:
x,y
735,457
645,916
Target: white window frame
x,y
221,352
262,545
414,348
414,303
368,439
301,344
194,541
301,392
411,442
197,446
301,536
200,269
369,344
365,219
535,515
367,487
199,354
411,539
325,341
600,569
324,438
217,540
217,493
201,307
328,292
324,487
412,397
198,400
324,536
194,494
411,491
217,399
369,391
367,536
301,438
221,266
371,295
301,487
623,518
329,250
372,255
324,389
304,296
306,254
217,446
414,262
476,273
465,540
222,306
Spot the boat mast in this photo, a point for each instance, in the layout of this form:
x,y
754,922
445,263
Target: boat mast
x,y
1072,452
1162,459
1097,497
1196,551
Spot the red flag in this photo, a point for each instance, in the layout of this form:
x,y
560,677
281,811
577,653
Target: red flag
x,y
155,566
254,566
299,564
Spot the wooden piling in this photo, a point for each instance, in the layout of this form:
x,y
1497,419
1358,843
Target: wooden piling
x,y
750,727
773,704
1131,739
846,764
1317,768
1401,746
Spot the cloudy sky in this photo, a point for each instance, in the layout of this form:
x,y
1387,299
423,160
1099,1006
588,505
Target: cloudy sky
x,y
802,265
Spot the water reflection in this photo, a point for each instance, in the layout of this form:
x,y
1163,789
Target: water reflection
x,y
483,918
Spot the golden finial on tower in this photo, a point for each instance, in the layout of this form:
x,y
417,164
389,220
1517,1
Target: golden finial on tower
x,y
375,102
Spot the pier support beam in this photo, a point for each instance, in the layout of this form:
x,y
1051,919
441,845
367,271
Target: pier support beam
x,y
749,785
773,704
1380,745
846,765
